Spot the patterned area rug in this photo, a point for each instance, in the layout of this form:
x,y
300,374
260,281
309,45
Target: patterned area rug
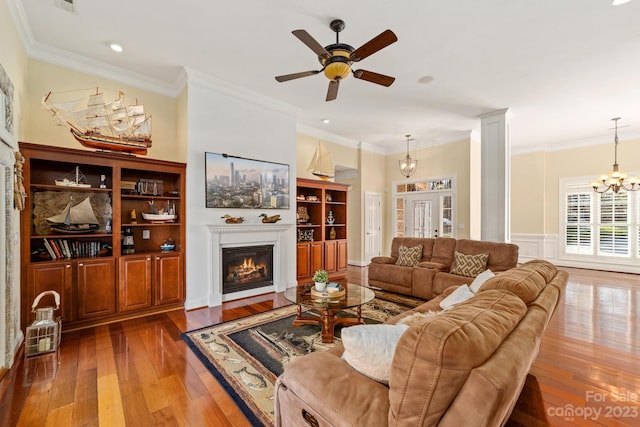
x,y
246,355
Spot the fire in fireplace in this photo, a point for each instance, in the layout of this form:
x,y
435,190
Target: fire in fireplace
x,y
247,267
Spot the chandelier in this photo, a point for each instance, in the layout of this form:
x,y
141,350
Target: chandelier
x,y
615,182
408,165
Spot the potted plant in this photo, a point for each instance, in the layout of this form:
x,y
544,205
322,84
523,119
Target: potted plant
x,y
321,278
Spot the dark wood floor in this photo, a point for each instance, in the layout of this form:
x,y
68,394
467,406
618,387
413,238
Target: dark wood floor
x,y
139,372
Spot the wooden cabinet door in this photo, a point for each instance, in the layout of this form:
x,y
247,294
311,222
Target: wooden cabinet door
x,y
330,256
317,257
96,288
50,277
134,283
342,255
303,261
168,279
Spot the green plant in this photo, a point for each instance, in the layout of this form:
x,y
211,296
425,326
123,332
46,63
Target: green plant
x,y
321,276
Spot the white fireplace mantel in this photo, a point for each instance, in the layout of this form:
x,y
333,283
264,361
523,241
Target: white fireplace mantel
x,y
233,235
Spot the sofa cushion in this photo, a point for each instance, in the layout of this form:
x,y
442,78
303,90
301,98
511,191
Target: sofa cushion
x,y
427,245
502,256
469,265
525,282
369,348
433,360
409,256
383,260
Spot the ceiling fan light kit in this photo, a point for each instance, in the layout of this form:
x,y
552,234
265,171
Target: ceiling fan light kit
x,y
336,59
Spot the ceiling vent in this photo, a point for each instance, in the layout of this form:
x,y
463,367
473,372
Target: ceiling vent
x,y
68,5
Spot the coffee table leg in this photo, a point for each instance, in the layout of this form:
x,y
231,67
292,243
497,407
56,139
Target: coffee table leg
x,y
328,325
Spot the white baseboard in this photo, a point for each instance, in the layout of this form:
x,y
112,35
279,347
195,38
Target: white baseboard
x,y
357,263
547,246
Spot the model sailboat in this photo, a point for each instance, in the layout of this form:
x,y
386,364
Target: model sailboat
x,y
321,164
111,126
75,219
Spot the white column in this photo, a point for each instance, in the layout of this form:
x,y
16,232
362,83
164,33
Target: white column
x,y
496,176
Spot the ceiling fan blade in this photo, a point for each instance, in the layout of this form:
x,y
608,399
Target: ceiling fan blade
x,y
293,76
380,41
332,91
372,77
311,43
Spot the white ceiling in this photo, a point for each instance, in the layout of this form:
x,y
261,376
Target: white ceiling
x,y
562,67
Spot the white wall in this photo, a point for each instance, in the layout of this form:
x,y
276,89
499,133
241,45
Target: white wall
x,y
229,120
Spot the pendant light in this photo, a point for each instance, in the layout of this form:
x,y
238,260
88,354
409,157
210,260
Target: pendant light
x,y
408,165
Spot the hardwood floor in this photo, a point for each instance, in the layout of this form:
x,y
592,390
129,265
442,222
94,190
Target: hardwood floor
x,y
139,372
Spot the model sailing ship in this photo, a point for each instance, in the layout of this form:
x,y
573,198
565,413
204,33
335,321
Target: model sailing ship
x,y
111,126
321,164
73,179
75,219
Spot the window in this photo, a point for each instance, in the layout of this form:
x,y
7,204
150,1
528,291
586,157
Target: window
x,y
606,226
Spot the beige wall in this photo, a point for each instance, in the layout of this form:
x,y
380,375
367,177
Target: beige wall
x,y
452,159
535,180
45,77
528,182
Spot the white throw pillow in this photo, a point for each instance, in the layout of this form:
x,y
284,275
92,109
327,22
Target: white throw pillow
x,y
480,279
456,297
369,348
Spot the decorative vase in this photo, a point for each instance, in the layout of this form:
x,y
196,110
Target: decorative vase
x,y
321,286
332,233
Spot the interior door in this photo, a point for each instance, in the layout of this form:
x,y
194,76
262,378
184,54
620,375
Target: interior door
x,y
422,215
372,234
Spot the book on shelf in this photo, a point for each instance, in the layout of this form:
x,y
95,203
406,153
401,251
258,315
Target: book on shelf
x,y
49,249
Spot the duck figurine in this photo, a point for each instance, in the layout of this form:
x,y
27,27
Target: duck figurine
x,y
233,219
270,219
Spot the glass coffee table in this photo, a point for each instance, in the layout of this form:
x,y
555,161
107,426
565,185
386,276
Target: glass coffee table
x,y
324,310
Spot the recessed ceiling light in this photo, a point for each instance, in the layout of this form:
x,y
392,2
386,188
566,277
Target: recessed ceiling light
x,y
325,121
425,79
116,47
619,2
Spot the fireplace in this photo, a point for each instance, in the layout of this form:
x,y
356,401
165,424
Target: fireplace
x,y
246,267
231,236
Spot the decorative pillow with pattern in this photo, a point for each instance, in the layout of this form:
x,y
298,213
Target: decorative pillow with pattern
x,y
469,265
409,256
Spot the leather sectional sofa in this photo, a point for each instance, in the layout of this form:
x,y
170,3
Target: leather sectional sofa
x,y
464,366
431,276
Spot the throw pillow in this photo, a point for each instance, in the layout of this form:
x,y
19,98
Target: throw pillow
x,y
416,318
369,348
469,265
462,293
480,279
409,256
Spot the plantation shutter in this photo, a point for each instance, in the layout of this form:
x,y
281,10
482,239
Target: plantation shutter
x,y
613,229
578,239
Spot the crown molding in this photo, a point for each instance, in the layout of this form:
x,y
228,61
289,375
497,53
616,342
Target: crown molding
x,y
83,64
235,91
21,22
576,143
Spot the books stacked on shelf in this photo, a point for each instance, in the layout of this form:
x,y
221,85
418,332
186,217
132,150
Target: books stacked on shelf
x,y
64,248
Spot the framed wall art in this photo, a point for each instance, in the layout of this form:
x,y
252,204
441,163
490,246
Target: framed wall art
x,y
6,101
238,182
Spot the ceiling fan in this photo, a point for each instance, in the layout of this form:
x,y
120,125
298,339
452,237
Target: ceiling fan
x,y
336,58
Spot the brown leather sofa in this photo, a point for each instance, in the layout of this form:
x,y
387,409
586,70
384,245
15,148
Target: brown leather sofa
x,y
432,275
463,367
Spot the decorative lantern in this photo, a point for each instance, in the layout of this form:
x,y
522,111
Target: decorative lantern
x,y
43,336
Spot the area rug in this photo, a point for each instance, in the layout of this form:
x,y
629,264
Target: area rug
x,y
246,355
